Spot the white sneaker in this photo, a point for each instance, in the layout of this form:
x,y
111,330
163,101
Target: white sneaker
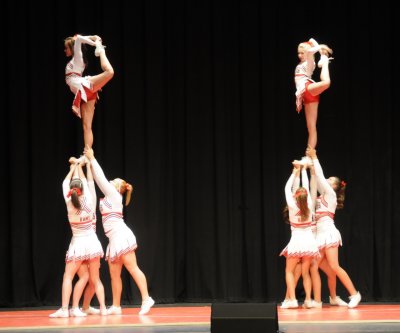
x,y
114,310
354,300
337,301
284,301
99,48
317,305
146,305
91,311
290,304
76,312
60,313
324,59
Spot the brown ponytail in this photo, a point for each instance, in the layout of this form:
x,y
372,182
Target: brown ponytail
x,y
75,191
340,189
301,200
128,195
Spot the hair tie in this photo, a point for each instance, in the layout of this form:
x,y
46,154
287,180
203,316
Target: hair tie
x,y
299,193
77,190
343,183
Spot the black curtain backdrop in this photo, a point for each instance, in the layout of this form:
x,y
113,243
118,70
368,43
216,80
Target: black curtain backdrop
x,y
200,117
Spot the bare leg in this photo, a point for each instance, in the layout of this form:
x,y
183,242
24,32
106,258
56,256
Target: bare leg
x,y
100,80
330,274
80,285
297,274
71,268
115,268
289,275
130,263
87,110
311,112
305,273
316,280
94,269
332,257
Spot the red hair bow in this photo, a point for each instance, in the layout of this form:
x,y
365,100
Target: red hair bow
x,y
78,191
343,183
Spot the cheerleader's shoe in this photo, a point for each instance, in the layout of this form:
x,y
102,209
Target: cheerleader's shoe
x,y
290,304
354,300
325,50
309,304
337,301
114,310
91,311
76,312
324,60
146,306
315,47
99,48
60,313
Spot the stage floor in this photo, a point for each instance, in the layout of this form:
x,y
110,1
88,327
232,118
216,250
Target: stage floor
x,y
374,318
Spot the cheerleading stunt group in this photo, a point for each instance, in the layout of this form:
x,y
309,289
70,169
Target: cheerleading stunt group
x,y
310,204
85,250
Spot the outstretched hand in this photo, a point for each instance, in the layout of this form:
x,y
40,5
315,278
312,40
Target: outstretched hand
x,y
311,152
297,164
73,160
89,153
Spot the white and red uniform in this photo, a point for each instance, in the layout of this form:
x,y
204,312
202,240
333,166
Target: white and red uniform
x,y
120,236
73,74
84,244
327,233
302,241
302,74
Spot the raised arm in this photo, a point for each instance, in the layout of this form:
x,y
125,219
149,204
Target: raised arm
x,y
98,175
296,183
310,56
306,185
313,187
289,185
324,186
67,179
90,181
78,56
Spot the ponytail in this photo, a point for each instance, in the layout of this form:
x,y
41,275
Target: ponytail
x,y
75,191
75,198
301,200
128,195
340,193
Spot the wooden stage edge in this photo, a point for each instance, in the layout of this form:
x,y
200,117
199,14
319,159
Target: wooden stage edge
x,y
198,315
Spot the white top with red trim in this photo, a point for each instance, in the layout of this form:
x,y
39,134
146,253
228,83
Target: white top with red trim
x,y
327,201
76,66
80,219
294,211
111,206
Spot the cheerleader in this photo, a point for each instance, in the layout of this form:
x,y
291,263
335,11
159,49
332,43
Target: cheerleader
x,y
122,242
83,272
302,246
332,194
307,90
84,248
85,89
